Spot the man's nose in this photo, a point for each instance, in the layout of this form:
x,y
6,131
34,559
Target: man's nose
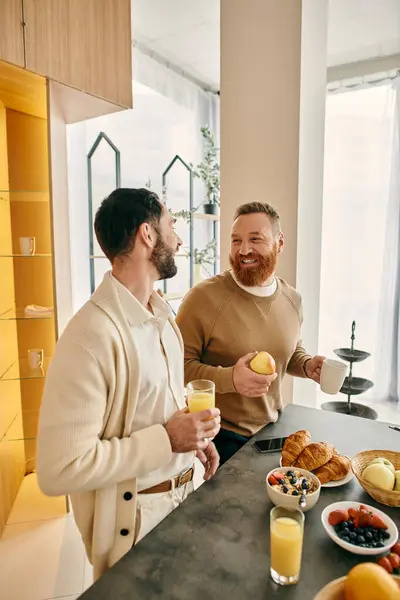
x,y
245,248
179,241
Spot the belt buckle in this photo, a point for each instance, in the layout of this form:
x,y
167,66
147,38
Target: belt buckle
x,y
182,475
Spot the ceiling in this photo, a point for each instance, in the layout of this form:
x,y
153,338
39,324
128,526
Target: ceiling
x,y
185,33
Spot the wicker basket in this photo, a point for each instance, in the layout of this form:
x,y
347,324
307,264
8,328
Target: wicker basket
x,y
334,589
362,460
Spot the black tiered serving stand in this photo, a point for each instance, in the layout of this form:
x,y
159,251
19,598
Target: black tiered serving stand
x,y
352,386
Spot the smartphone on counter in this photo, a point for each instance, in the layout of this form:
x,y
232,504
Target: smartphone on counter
x,y
270,445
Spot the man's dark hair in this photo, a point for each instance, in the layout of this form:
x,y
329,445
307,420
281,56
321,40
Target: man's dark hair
x,y
119,217
252,208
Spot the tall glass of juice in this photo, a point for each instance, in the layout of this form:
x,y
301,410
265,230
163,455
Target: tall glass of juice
x,y
200,395
286,532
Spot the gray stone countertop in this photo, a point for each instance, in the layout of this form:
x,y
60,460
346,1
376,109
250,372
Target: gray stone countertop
x,y
215,546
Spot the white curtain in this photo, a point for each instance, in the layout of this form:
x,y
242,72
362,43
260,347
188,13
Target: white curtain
x,y
359,263
388,333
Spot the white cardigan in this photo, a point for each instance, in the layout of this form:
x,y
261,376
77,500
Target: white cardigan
x,y
85,448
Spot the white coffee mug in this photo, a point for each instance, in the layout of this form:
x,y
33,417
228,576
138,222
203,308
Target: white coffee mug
x,y
27,245
35,358
333,373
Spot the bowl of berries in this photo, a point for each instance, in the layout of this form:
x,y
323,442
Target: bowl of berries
x,y
293,488
359,528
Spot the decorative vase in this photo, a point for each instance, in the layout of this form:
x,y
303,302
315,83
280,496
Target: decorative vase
x,y
210,208
197,274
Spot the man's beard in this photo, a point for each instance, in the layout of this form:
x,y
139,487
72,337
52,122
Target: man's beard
x,y
260,273
163,258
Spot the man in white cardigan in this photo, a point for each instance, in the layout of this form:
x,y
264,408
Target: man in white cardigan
x,y
114,432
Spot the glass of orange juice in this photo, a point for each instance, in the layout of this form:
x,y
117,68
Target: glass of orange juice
x,y
200,395
286,532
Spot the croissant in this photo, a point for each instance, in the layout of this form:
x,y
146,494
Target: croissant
x,y
314,456
294,446
337,468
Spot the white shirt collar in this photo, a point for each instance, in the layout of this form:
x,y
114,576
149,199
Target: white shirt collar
x,y
262,291
134,311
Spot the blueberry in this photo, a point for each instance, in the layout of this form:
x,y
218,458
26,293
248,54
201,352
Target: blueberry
x,y
358,530
385,535
360,540
293,480
350,525
345,525
379,545
368,536
295,493
285,489
290,473
345,531
304,484
352,536
345,538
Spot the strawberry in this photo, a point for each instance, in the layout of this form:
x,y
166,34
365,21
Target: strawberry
x,y
378,523
396,549
386,564
394,561
365,519
353,513
278,476
338,516
272,480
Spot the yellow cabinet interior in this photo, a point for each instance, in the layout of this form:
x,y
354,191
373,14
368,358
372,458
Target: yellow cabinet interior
x,y
25,211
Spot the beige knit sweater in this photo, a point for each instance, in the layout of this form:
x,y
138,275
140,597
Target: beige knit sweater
x,y
220,322
85,448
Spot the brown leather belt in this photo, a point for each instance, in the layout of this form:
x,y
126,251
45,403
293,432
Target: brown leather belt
x,y
166,486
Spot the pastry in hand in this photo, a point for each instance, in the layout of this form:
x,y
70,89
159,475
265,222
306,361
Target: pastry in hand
x,y
337,468
314,456
294,446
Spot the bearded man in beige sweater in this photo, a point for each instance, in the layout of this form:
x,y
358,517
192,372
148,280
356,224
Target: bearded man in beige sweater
x,y
114,430
226,319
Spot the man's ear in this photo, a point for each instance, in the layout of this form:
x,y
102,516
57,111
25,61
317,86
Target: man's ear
x,y
281,242
147,234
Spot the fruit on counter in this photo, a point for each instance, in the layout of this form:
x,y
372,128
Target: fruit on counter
x,y
394,561
383,461
380,476
386,564
396,549
397,481
369,581
263,364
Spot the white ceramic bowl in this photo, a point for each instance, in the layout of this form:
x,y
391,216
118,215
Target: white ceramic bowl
x,y
281,499
392,529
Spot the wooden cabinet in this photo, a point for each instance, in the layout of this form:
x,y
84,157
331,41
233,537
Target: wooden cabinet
x,y
85,44
11,32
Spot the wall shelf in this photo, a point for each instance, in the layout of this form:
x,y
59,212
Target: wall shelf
x,y
25,255
20,370
18,314
206,217
24,196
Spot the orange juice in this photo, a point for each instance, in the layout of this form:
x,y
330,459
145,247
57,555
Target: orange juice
x,y
198,401
286,546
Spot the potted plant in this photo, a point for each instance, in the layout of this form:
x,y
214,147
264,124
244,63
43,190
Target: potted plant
x,y
203,258
209,172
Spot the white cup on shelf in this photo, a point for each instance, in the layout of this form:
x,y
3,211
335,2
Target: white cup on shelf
x,y
27,245
333,373
35,358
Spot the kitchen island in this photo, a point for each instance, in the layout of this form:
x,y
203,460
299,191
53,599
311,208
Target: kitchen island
x,y
215,546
